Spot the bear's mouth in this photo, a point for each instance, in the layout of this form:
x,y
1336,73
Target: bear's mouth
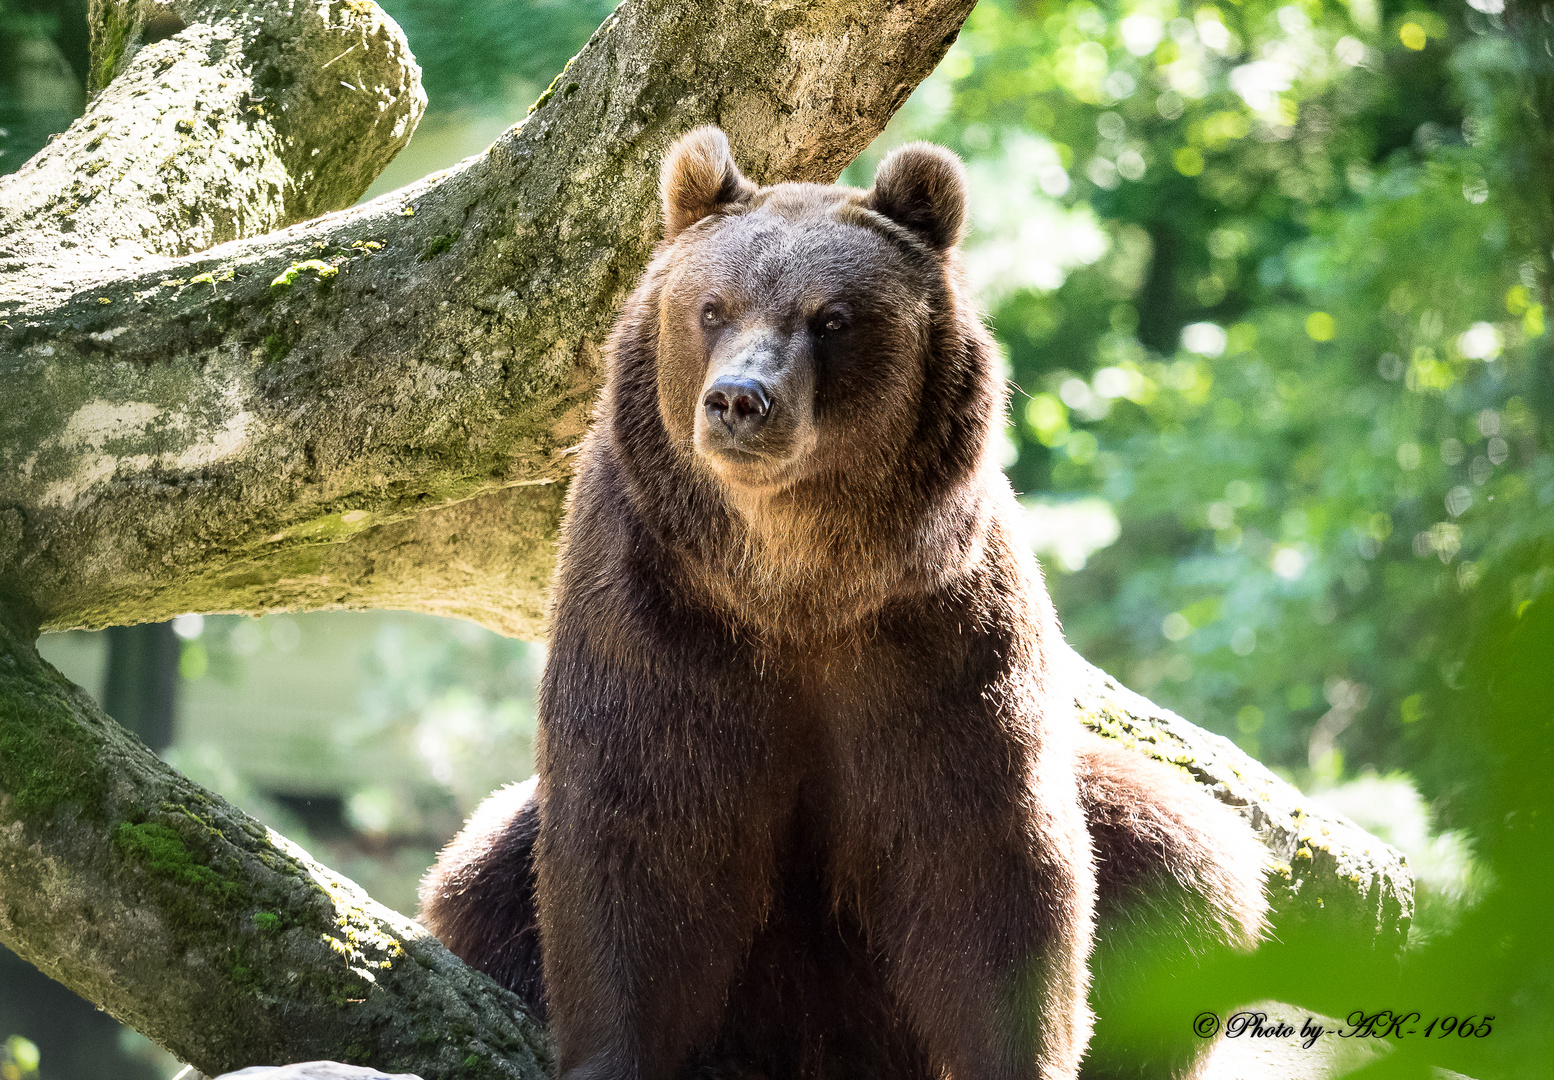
x,y
739,464
738,457
765,451
750,469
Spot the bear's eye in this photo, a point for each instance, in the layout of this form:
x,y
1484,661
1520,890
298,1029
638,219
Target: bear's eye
x,y
829,322
710,316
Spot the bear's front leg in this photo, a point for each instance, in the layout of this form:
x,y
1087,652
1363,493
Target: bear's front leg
x,y
985,921
963,849
660,785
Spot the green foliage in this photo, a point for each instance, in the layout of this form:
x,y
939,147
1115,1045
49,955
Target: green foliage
x,y
1491,963
1500,956
20,20
479,51
18,1058
42,66
1279,302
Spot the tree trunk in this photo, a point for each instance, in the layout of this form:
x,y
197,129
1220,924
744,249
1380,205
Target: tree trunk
x,y
215,400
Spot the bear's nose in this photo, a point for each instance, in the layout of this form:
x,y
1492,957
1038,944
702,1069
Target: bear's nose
x,y
741,405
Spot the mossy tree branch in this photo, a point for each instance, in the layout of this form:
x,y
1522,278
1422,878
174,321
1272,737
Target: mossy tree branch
x,y
211,122
213,935
1328,876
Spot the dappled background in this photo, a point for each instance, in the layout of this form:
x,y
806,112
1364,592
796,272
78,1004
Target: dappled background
x,y
1269,282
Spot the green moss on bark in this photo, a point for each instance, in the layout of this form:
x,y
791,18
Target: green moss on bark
x,y
196,925
437,245
47,761
197,895
109,36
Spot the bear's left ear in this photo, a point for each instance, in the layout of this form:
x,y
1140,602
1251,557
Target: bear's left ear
x,y
923,187
699,178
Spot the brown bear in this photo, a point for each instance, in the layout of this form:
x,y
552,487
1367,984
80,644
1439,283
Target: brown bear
x,y
811,798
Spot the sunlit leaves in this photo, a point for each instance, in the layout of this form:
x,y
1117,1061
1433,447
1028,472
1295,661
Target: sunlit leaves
x,y
1318,279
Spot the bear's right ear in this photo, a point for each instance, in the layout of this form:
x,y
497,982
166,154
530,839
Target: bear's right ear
x,y
923,187
699,178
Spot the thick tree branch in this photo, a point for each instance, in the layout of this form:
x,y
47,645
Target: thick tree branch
x,y
487,559
189,417
213,935
1328,875
220,122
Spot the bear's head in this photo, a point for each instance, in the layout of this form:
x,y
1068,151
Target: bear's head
x,y
801,386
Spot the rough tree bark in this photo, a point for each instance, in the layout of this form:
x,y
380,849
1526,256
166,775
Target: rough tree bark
x,y
212,399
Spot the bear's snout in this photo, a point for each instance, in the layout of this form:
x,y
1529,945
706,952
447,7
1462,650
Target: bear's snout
x,y
753,422
740,405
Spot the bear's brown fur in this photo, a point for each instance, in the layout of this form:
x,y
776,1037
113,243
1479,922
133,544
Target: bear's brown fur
x,y
811,799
